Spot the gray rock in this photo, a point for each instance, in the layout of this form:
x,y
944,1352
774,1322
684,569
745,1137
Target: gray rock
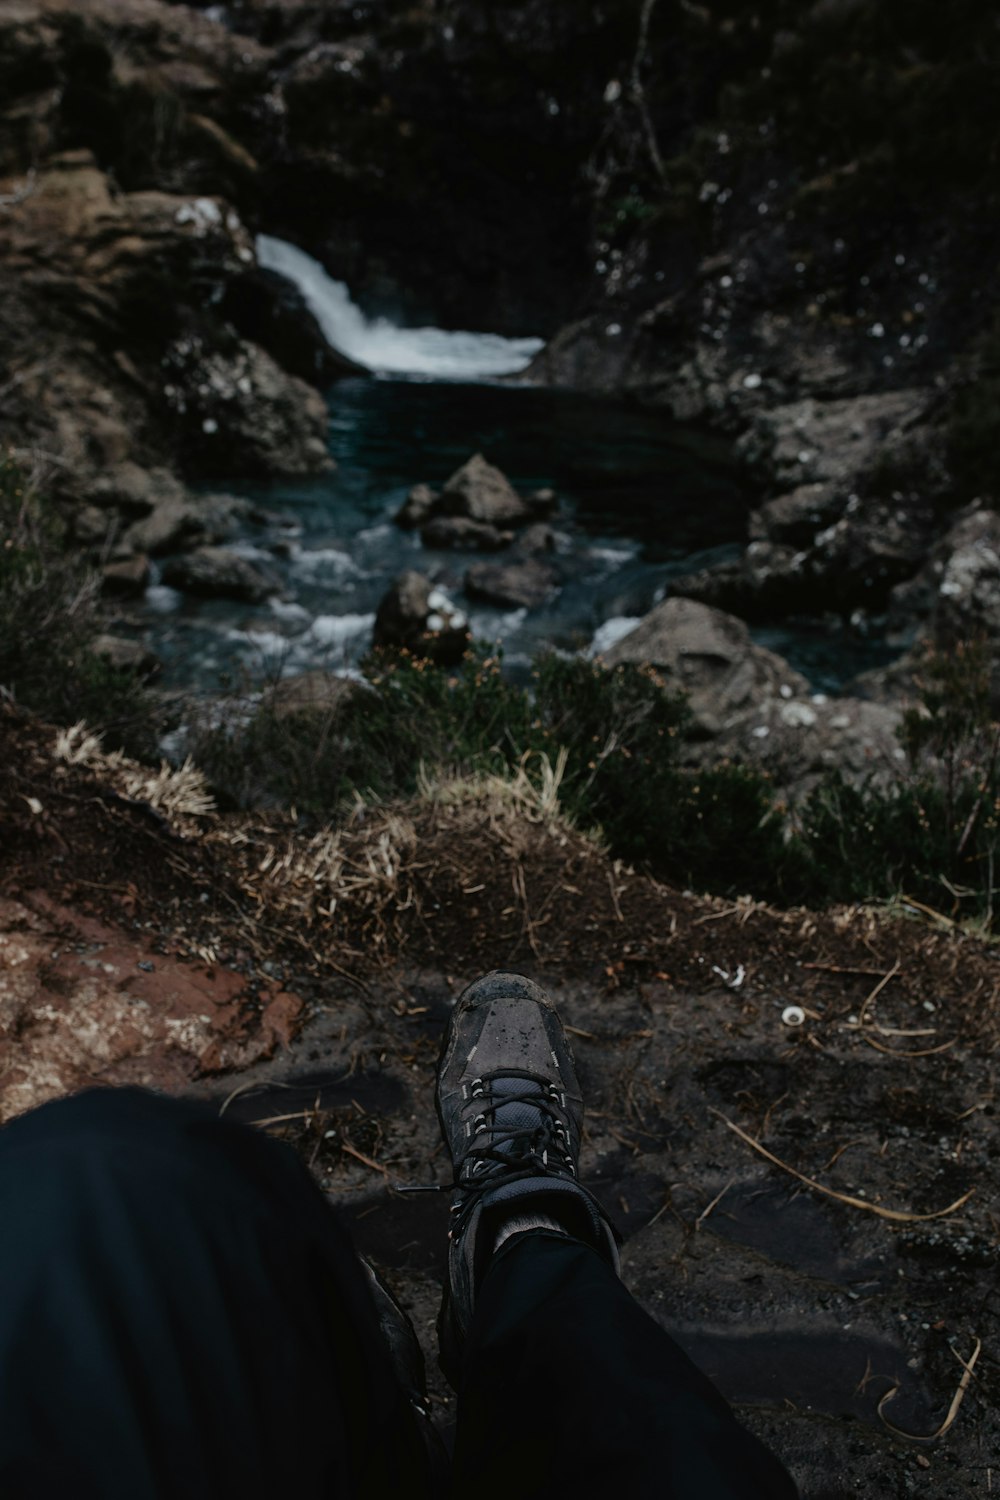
x,y
418,507
93,527
126,655
855,563
179,519
524,583
315,692
798,740
482,493
132,490
709,656
219,573
795,518
957,593
240,413
536,538
829,442
459,534
128,578
414,615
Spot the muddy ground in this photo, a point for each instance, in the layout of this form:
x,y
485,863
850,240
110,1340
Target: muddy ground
x,y
320,1020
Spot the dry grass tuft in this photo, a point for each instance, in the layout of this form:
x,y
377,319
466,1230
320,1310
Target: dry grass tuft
x,y
180,795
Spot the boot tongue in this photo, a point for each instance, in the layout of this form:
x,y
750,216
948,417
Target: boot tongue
x,y
519,1116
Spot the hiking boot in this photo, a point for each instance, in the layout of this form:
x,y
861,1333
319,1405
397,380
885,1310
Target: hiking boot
x,y
510,1111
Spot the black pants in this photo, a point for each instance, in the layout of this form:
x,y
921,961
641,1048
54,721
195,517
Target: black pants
x,y
182,1316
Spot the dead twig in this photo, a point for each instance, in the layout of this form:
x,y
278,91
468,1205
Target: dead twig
x,y
896,1216
877,991
956,1401
714,1204
895,1052
360,1156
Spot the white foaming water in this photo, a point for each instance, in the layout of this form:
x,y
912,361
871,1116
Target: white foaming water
x,y
324,559
611,632
339,630
378,344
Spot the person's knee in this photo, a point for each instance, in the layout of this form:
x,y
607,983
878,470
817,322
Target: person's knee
x,y
129,1113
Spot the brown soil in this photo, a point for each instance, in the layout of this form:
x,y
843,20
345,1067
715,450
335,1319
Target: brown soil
x,y
807,1308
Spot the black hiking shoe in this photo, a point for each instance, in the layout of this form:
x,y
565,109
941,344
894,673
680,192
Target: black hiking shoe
x,y
510,1111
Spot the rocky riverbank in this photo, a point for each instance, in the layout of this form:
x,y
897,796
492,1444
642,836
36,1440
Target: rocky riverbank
x,y
712,250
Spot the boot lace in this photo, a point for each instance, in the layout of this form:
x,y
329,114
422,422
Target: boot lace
x,y
498,1155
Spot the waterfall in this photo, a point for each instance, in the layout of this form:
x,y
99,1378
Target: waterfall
x,y
380,345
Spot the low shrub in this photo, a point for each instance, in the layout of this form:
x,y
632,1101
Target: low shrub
x,y
50,615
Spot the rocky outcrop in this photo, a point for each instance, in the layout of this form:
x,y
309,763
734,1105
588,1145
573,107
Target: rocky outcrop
x,y
416,616
219,573
748,704
119,369
799,740
956,595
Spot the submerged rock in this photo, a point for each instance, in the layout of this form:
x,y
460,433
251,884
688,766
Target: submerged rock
x,y
459,534
219,573
524,583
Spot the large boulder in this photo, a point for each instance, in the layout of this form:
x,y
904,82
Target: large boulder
x,y
798,740
709,656
220,573
416,615
482,493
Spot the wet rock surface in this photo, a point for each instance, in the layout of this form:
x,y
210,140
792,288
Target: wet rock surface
x,y
219,573
521,583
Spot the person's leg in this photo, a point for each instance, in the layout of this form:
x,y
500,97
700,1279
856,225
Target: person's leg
x,y
565,1384
181,1315
569,1387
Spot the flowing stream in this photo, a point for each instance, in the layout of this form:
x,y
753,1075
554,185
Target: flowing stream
x,y
638,505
